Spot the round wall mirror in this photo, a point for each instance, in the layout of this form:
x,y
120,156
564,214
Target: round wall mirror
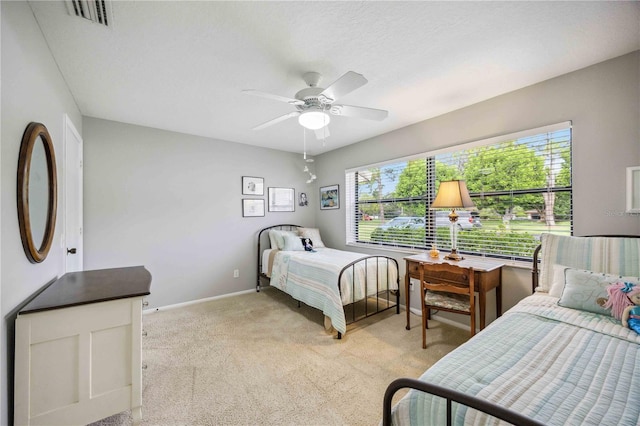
x,y
37,192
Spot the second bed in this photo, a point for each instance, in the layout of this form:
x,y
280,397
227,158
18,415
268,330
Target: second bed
x,y
345,286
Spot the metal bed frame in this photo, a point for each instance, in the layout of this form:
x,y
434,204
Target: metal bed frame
x,y
483,405
383,299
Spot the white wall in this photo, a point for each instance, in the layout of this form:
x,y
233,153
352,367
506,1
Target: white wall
x,y
32,90
602,101
172,202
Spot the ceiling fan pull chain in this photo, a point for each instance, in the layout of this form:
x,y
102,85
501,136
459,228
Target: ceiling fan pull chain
x,y
304,141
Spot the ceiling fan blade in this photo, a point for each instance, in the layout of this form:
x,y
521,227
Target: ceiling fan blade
x,y
322,133
277,120
290,101
359,112
342,86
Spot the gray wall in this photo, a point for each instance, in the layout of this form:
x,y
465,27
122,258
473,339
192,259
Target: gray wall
x,y
172,202
32,90
602,101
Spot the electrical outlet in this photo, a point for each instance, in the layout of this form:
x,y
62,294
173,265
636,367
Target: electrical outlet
x,y
236,273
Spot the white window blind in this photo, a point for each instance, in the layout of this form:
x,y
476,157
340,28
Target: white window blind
x,y
520,185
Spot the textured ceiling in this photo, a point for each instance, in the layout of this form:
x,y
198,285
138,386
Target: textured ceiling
x,y
182,66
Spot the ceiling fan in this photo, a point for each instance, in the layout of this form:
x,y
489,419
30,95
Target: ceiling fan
x,y
314,104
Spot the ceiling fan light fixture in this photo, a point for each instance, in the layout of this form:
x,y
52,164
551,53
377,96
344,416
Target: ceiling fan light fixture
x,y
314,120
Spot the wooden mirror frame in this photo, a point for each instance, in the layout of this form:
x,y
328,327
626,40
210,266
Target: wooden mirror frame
x,y
29,139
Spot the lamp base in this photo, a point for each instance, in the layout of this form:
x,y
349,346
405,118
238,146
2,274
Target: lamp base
x,y
454,255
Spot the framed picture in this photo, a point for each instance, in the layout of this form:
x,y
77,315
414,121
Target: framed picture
x,y
329,197
303,201
282,199
633,189
252,207
252,185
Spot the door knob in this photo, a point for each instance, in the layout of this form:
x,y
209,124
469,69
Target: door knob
x,y
71,250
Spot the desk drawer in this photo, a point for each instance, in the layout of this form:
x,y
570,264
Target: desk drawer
x,y
413,269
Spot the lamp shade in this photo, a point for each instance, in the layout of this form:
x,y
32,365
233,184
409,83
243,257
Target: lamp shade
x,y
452,194
314,120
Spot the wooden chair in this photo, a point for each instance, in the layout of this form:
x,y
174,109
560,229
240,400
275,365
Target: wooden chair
x,y
446,287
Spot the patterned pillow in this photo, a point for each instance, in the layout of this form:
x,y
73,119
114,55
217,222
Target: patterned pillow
x,y
583,288
313,234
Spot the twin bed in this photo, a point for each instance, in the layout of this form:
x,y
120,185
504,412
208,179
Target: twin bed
x,y
556,358
345,286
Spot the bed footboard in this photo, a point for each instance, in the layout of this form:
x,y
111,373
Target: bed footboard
x,y
374,301
482,405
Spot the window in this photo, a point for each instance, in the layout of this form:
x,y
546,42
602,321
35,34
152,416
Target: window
x,y
520,185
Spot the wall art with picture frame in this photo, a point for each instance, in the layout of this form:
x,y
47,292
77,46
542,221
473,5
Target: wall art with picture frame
x,y
282,199
329,197
252,207
252,185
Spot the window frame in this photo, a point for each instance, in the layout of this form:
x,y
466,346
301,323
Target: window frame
x,y
354,210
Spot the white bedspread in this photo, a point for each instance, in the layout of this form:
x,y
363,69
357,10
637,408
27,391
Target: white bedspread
x,y
312,277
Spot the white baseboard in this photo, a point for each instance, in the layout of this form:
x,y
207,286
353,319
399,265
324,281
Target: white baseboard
x,y
193,302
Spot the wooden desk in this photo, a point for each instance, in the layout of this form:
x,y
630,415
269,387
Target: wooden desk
x,y
487,275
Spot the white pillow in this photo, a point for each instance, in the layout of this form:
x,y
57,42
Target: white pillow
x,y
273,240
313,234
279,237
557,280
292,243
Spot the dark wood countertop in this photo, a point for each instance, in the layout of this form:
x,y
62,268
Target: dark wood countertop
x,y
80,288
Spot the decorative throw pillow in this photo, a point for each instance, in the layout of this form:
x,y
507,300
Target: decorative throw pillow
x,y
307,244
313,234
292,243
583,288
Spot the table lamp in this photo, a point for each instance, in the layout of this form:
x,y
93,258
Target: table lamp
x,y
453,195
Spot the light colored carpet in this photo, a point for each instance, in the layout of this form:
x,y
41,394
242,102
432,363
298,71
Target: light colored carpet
x,y
258,359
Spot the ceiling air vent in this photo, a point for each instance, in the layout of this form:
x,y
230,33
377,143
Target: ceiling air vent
x,y
98,11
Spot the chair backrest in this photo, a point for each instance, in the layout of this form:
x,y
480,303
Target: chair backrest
x,y
446,277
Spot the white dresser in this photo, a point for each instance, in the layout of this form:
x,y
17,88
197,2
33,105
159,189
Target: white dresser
x,y
78,349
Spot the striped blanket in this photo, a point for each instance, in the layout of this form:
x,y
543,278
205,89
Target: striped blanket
x,y
557,365
312,278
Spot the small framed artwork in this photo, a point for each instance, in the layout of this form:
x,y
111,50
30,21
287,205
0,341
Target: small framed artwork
x,y
329,197
633,189
252,185
282,199
252,207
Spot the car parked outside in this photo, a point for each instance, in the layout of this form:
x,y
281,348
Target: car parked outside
x,y
466,219
476,219
404,222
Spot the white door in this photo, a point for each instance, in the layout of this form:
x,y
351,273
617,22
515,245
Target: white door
x,y
73,197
